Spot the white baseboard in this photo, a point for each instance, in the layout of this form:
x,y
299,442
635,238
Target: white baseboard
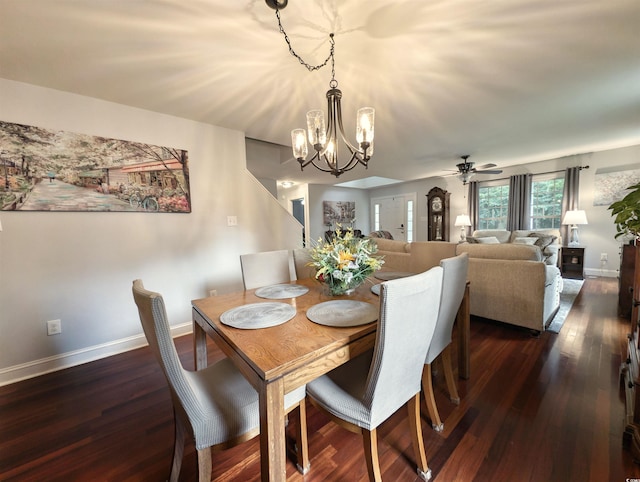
x,y
604,273
70,359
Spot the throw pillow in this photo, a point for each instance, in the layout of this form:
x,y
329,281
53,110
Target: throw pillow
x,y
527,240
488,240
472,240
543,240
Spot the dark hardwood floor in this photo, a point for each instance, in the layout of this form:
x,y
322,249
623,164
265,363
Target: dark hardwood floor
x,y
535,409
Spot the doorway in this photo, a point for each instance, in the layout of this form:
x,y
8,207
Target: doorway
x,y
297,209
395,214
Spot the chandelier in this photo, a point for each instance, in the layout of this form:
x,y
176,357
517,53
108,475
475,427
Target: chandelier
x,y
323,136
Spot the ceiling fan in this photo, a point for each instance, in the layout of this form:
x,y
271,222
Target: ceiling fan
x,y
466,170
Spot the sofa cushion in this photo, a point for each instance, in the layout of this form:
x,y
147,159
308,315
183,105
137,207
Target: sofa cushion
x,y
502,234
487,240
392,245
542,240
508,251
381,234
521,233
527,240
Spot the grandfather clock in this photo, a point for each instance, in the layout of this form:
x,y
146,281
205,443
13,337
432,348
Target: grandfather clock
x,y
438,215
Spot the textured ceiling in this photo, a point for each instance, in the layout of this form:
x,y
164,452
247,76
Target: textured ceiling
x,y
507,81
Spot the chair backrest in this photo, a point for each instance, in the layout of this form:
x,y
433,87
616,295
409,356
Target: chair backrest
x,y
156,328
408,313
264,269
454,280
301,260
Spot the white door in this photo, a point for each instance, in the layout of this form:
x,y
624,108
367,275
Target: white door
x,y
391,215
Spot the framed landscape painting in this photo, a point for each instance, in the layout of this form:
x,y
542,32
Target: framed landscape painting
x,y
46,170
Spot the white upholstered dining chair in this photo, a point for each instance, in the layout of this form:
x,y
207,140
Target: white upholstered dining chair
x,y
265,268
216,405
365,391
454,280
301,260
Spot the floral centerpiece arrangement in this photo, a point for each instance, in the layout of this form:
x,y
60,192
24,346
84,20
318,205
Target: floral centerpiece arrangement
x,y
344,262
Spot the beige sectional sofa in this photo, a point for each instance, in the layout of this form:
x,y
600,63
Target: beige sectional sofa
x,y
513,283
413,257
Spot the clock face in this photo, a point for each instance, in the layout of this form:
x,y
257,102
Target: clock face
x,y
436,204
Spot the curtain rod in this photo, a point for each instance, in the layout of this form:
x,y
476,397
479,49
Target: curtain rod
x,y
536,174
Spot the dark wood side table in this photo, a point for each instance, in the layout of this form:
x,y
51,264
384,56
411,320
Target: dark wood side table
x,y
572,262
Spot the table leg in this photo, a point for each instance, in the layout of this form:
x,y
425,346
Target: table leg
x,y
272,432
463,320
199,347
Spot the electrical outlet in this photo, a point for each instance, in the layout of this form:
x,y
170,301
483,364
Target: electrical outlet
x,y
213,292
604,257
54,327
232,220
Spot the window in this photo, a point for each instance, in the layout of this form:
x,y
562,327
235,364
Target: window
x,y
376,217
493,206
409,221
546,202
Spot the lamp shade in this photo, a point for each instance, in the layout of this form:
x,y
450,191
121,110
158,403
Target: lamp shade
x,y
577,216
462,220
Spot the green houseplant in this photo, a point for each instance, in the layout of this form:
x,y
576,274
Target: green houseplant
x,y
627,213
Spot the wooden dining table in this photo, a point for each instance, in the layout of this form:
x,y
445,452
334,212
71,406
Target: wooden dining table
x,y
278,359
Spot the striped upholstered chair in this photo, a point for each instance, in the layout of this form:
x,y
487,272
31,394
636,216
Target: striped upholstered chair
x,y
217,405
365,391
454,280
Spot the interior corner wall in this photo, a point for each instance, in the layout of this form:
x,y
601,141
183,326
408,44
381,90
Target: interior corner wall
x,y
78,266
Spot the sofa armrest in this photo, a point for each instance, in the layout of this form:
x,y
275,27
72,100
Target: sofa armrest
x,y
551,254
511,291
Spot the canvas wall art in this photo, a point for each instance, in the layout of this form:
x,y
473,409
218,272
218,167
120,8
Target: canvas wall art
x,y
611,184
46,170
339,212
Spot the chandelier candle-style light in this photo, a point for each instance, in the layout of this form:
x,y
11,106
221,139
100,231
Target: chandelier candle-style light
x,y
323,136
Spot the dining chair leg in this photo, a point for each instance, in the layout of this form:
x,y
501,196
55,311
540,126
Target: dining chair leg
x,y
429,397
370,440
178,447
416,435
302,445
448,375
204,465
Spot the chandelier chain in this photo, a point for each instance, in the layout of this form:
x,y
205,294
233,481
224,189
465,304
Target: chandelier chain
x,y
309,67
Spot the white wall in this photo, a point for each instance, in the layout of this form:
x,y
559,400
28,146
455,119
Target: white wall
x,y
78,267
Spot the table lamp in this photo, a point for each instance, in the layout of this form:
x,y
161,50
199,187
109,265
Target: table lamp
x,y
574,218
463,221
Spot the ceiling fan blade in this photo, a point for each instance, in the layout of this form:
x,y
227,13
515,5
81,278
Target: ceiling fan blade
x,y
489,171
486,166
